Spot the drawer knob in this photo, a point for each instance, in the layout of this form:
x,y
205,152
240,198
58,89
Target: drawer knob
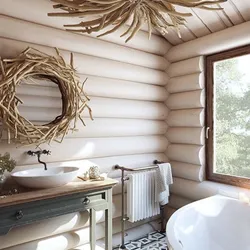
x,y
86,201
19,215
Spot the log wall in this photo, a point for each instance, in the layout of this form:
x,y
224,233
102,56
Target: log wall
x,y
126,84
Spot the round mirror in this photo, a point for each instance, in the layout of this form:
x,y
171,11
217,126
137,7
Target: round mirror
x,y
34,66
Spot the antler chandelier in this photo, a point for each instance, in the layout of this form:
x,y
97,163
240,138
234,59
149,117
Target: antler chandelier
x,y
158,14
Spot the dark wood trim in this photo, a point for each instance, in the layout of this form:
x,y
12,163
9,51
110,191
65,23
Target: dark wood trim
x,y
209,117
240,51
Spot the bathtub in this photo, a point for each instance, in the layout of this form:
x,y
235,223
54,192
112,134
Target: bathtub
x,y
215,223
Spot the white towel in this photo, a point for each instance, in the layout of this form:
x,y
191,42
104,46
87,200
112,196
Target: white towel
x,y
163,176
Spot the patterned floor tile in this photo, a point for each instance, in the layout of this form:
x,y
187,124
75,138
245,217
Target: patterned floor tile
x,y
153,241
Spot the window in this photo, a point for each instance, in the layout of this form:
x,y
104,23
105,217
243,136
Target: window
x,y
228,117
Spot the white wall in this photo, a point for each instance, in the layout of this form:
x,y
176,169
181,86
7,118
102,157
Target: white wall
x,y
126,84
186,101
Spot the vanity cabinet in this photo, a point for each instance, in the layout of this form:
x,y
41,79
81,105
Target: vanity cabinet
x,y
32,206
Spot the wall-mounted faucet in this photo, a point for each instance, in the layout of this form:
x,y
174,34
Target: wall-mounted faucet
x,y
39,153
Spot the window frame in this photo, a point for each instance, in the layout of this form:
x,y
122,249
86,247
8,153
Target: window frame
x,y
209,121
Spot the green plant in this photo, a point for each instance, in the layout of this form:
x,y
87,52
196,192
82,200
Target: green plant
x,y
6,163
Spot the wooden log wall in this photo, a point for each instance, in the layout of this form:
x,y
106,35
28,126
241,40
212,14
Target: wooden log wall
x,y
186,102
126,84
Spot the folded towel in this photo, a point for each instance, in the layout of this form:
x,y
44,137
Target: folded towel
x,y
163,176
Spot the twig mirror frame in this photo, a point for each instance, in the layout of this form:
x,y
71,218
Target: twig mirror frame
x,y
34,64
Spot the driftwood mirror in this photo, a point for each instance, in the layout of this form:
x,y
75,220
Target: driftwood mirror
x,y
34,65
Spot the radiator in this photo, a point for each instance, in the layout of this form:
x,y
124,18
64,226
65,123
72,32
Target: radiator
x,y
141,196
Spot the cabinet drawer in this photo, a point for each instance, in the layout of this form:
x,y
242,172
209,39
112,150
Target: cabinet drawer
x,y
39,210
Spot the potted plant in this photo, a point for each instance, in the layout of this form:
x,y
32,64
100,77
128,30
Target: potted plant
x,y
6,166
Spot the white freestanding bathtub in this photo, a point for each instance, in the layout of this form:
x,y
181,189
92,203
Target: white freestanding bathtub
x,y
215,223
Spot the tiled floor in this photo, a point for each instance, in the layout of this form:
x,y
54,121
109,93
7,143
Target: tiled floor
x,y
153,241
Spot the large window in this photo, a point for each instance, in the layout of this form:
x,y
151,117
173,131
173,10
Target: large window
x,y
228,117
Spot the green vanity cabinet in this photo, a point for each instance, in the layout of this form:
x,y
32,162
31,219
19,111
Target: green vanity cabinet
x,y
29,207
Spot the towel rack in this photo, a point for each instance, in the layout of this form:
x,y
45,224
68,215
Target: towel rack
x,y
125,218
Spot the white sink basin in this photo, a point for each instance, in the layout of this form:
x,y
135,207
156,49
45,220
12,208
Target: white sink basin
x,y
40,178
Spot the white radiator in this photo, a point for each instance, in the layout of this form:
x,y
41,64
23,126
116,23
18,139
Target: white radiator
x,y
142,202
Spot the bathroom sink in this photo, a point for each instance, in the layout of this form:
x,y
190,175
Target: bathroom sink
x,y
40,178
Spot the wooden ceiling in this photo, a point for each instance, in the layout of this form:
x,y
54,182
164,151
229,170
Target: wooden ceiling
x,y
204,22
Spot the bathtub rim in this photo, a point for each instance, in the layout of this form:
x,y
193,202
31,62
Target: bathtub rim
x,y
170,232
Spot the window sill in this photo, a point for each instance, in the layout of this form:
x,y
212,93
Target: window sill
x,y
226,190
193,190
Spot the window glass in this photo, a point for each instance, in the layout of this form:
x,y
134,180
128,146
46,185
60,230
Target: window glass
x,y
232,116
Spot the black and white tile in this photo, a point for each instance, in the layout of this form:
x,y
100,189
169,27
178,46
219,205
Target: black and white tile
x,y
153,241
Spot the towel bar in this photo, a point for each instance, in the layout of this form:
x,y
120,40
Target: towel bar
x,y
125,218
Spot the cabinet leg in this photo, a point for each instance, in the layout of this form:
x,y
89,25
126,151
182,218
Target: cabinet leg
x,y
92,229
108,223
108,229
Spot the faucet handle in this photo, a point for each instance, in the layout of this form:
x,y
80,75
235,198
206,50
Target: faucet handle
x,y
32,153
46,152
